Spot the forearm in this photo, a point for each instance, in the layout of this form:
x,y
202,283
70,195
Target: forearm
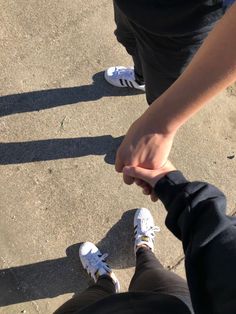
x,y
196,215
188,204
212,69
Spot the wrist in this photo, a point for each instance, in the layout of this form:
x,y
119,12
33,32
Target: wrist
x,y
161,118
166,169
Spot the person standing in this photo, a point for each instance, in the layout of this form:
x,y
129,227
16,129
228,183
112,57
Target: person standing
x,y
196,216
184,54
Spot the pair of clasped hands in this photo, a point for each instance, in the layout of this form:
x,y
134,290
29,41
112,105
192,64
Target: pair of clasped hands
x,y
143,155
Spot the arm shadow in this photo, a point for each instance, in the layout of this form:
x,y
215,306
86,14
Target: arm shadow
x,y
46,99
55,277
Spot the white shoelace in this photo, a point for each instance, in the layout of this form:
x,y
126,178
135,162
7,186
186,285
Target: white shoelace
x,y
127,74
151,232
145,230
93,263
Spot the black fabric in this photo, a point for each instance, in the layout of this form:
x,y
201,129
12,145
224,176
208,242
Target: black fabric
x,y
101,289
158,60
137,303
172,17
197,216
149,281
125,35
151,276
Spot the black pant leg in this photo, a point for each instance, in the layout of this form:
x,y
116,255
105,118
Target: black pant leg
x,y
125,35
164,58
150,275
103,288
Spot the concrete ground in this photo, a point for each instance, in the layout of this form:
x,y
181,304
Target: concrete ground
x,y
60,126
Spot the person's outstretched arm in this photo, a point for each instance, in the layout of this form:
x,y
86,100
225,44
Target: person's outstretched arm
x,y
213,68
197,216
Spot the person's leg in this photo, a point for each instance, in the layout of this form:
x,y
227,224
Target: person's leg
x,y
150,275
164,58
125,35
106,283
101,289
121,76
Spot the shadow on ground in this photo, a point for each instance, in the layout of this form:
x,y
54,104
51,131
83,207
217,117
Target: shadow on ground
x,y
52,149
118,242
52,278
23,152
46,99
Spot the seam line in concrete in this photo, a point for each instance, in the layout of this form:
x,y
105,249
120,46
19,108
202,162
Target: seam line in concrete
x,y
179,261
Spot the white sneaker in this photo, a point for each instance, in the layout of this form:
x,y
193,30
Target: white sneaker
x,y
94,262
120,76
144,229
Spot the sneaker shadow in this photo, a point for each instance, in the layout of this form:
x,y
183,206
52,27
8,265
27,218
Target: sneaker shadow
x,y
42,280
51,278
118,243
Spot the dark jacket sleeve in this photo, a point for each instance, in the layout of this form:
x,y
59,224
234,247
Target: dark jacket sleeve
x,y
197,216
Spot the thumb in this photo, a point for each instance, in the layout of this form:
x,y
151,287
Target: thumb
x,y
118,163
138,172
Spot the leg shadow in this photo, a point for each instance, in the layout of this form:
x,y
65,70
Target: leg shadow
x,y
118,242
42,280
23,152
56,277
46,99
